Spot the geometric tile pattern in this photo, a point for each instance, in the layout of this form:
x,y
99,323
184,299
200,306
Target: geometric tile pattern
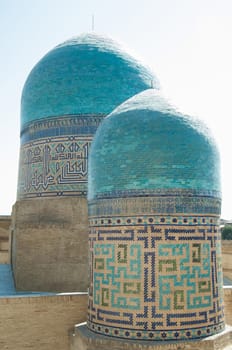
x,y
54,167
192,261
162,220
126,294
195,203
155,280
54,156
59,126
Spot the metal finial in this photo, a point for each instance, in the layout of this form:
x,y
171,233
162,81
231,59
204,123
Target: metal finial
x,y
93,22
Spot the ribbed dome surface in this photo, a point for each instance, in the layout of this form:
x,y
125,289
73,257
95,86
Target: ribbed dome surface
x,y
89,74
146,144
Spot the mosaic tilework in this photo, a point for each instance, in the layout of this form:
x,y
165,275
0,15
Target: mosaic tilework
x,y
86,74
157,202
54,156
54,167
145,144
125,295
60,126
155,276
163,220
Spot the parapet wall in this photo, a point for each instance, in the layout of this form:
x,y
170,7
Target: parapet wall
x,y
5,221
228,304
227,258
46,322
40,323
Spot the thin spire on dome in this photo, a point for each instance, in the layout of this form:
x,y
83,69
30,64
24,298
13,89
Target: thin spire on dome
x,y
93,22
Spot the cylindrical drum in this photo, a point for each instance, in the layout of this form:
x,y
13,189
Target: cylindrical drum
x,y
154,206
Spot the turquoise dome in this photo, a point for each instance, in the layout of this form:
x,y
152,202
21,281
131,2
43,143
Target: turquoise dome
x,y
145,144
89,74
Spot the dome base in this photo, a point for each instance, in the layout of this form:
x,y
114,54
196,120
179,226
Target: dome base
x,y
83,339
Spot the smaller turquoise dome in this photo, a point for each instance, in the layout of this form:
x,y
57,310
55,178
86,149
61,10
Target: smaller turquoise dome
x,y
87,75
145,144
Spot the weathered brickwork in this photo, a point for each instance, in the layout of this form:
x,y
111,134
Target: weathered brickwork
x,y
227,259
40,323
57,233
5,221
228,304
45,323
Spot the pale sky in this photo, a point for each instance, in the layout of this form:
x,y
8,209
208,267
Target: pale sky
x,y
187,43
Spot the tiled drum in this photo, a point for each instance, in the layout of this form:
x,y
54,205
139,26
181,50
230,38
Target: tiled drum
x,y
154,206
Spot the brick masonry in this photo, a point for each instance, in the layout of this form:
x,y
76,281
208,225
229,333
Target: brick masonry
x,y
226,258
49,244
5,221
47,323
40,323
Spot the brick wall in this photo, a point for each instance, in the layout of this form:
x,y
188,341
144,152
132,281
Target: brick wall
x,y
228,304
5,221
56,230
44,323
40,323
227,258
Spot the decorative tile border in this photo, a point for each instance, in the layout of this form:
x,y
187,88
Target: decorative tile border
x,y
60,126
174,202
54,167
158,220
155,276
54,156
160,335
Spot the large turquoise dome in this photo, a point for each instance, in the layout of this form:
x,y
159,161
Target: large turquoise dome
x,y
89,74
145,144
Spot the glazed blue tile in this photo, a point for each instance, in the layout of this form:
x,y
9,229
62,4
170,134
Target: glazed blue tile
x,y
87,74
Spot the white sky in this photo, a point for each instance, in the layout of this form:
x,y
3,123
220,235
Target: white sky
x,y
188,44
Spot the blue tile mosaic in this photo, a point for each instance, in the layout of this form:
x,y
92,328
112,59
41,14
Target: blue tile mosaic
x,y
84,75
153,280
54,156
154,204
61,126
145,144
64,99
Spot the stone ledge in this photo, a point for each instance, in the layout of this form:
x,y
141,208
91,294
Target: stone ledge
x,y
84,339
